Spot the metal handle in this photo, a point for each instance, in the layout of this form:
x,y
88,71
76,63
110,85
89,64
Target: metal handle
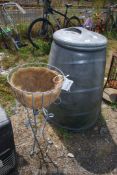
x,y
20,9
57,79
74,30
13,4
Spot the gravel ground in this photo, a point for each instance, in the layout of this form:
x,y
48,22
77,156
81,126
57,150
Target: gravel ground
x,y
90,153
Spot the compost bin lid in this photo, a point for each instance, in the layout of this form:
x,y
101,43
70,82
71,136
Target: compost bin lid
x,y
79,37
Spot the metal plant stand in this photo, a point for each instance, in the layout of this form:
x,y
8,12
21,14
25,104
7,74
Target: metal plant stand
x,y
38,133
36,102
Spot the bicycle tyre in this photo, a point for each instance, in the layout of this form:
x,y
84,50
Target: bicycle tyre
x,y
43,33
73,22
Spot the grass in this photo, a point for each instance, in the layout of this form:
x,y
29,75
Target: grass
x,y
26,54
101,120
7,99
114,105
22,29
9,61
112,44
63,133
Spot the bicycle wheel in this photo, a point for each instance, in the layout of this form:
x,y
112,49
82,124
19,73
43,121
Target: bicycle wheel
x,y
40,29
73,22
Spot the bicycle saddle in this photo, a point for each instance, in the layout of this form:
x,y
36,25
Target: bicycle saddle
x,y
68,5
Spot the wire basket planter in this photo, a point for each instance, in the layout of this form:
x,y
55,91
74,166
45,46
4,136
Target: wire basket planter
x,y
36,86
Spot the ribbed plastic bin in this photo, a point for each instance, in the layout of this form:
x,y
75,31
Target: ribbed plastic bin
x,y
81,54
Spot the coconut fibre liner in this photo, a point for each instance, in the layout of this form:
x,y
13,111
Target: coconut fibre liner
x,y
36,87
34,79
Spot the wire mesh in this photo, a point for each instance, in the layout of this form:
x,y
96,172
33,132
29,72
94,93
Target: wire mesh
x,y
8,164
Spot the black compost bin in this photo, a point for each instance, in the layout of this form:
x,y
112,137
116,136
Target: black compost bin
x,y
81,54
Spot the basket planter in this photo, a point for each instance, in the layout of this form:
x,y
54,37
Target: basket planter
x,y
36,86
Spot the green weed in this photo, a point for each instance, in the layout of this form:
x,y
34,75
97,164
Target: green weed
x,y
64,133
9,61
114,105
22,29
101,120
7,99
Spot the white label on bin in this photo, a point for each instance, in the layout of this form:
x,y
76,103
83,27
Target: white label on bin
x,y
67,84
1,164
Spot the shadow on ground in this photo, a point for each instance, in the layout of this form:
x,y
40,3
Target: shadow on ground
x,y
21,162
113,97
94,150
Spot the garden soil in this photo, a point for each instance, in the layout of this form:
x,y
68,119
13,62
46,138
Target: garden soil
x,y
93,152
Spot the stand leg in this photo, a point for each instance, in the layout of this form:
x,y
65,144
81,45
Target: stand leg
x,y
41,133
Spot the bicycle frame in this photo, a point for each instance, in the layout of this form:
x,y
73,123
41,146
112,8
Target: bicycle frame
x,y
110,14
52,11
42,28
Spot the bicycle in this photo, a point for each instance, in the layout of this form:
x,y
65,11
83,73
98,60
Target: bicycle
x,y
87,19
111,19
107,21
92,21
8,31
42,29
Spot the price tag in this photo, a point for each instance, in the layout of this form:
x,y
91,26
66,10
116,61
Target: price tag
x,y
67,84
1,164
